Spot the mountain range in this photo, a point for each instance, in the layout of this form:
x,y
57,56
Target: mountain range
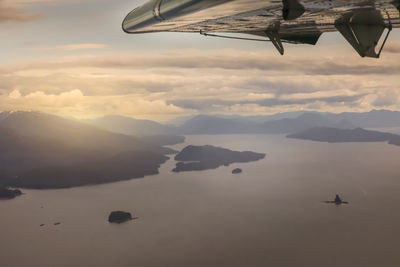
x,y
40,150
131,126
294,122
281,123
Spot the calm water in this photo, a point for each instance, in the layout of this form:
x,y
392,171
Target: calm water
x,y
270,215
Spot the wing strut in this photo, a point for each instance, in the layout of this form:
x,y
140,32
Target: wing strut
x,y
233,37
274,37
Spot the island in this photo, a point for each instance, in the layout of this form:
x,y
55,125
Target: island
x,y
336,135
236,171
119,217
337,201
197,158
7,193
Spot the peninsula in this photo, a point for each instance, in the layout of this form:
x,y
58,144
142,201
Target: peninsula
x,y
336,135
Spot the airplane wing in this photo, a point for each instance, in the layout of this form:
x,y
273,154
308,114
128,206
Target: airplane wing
x,y
361,22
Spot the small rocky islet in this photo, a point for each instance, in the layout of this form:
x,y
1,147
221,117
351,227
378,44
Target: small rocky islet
x,y
237,171
337,201
8,193
119,217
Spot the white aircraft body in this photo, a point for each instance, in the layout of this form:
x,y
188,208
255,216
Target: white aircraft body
x,y
365,24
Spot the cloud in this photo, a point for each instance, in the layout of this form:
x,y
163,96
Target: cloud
x,y
393,47
203,104
75,47
75,103
387,98
14,94
24,2
187,82
227,60
16,10
14,13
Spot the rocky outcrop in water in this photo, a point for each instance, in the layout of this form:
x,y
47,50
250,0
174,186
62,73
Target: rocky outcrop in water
x,y
119,217
337,201
7,193
236,171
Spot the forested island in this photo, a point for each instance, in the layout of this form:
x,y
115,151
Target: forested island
x,y
197,158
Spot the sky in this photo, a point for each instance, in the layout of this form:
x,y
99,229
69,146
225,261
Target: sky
x,y
71,58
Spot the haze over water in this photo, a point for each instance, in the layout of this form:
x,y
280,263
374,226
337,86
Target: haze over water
x,y
270,215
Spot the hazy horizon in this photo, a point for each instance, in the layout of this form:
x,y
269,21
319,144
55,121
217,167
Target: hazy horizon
x,y
287,114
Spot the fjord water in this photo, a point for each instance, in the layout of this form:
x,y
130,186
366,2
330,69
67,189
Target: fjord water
x,y
269,215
